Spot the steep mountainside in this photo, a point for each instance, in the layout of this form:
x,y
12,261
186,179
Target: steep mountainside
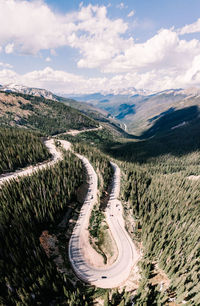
x,y
40,114
98,114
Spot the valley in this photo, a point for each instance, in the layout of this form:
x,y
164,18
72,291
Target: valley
x,y
102,184
140,111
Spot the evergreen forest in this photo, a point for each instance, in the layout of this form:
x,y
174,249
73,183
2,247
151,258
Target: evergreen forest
x,y
160,191
37,113
19,148
28,207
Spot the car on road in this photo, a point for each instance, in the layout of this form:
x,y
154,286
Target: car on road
x,y
104,276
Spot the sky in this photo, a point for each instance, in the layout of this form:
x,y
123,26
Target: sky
x,y
79,47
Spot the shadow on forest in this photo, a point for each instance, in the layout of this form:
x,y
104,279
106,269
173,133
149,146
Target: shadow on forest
x,y
175,132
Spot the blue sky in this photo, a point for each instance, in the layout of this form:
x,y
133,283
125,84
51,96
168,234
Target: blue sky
x,y
73,47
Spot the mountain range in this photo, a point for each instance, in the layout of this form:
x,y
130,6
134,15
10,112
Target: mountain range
x,y
140,111
135,113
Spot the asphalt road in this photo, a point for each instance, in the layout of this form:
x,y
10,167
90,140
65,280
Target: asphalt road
x,y
119,271
76,132
56,156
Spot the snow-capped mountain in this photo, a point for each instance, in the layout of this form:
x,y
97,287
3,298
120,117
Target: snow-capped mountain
x,y
188,92
28,91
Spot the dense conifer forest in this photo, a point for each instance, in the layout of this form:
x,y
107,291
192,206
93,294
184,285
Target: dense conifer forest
x,y
166,208
99,161
19,148
28,207
166,212
164,205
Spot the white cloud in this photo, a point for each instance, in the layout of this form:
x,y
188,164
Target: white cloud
x,y
163,51
48,59
192,74
163,61
131,14
9,76
9,48
62,82
120,5
36,27
100,37
54,80
5,65
190,28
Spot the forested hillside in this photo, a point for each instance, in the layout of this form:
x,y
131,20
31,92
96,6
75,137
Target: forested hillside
x,y
47,116
19,148
163,199
176,143
27,208
165,206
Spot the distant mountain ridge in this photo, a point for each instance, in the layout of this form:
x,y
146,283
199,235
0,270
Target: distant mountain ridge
x,y
38,92
136,111
139,111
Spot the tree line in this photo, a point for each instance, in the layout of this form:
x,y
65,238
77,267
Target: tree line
x,y
28,207
19,148
166,209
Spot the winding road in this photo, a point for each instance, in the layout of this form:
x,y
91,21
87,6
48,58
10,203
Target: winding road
x,y
110,276
56,156
118,272
76,132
